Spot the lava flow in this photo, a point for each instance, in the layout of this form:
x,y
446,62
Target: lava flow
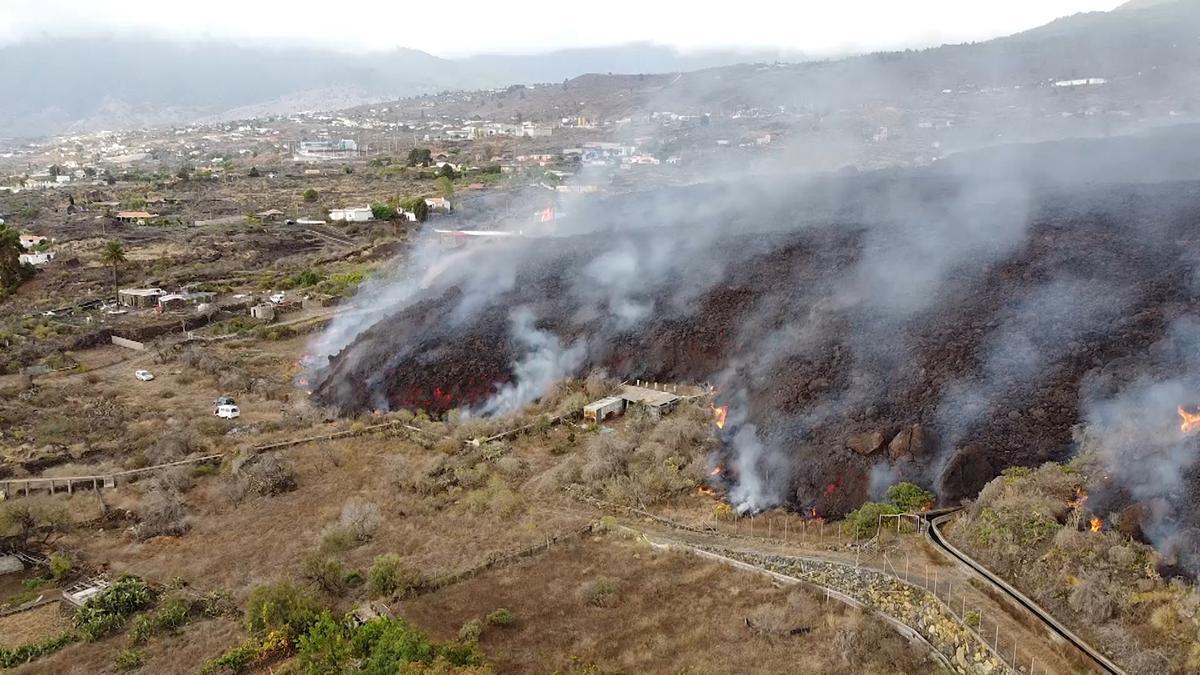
x,y
1189,422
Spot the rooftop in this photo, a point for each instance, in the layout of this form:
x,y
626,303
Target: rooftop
x,y
650,397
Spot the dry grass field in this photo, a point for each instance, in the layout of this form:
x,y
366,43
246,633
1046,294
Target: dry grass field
x,y
668,612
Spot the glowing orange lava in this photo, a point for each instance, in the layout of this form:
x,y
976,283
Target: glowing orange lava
x,y
719,415
1096,524
1189,422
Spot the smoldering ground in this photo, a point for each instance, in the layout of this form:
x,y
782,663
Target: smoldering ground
x,y
966,300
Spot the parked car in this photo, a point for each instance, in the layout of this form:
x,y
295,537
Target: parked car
x,y
143,375
277,297
228,411
224,400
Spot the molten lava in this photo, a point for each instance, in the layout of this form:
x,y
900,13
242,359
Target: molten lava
x,y
1096,523
719,415
1189,422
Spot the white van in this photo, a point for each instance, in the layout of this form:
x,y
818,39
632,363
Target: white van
x,y
228,411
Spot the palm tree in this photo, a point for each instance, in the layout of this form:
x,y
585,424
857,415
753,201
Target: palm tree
x,y
113,254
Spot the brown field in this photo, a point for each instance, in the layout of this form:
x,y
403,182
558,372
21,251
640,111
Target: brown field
x,y
672,613
33,625
179,653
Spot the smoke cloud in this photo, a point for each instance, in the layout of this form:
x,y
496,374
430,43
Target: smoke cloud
x,y
544,362
1137,432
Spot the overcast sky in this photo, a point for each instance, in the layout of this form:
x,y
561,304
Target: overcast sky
x,y
460,27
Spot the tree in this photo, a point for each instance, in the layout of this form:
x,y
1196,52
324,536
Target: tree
x,y
446,186
447,171
113,254
422,156
253,172
184,172
311,195
281,606
325,648
382,212
909,497
12,271
417,206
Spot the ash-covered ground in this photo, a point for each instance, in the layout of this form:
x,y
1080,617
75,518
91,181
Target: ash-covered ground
x,y
935,324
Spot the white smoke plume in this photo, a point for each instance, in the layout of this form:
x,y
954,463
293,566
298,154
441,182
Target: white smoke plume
x,y
1137,432
544,363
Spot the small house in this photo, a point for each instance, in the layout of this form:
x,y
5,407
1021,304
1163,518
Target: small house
x,y
76,596
437,203
32,241
359,214
270,215
138,217
263,312
36,259
172,301
139,297
657,401
605,408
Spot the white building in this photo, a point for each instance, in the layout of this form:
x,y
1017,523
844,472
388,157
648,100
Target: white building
x,y
36,259
29,241
359,214
1082,82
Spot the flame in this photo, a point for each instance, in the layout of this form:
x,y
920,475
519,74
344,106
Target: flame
x,y
1080,498
1096,523
715,472
1189,422
719,415
706,491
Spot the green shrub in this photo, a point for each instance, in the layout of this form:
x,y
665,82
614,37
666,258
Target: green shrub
x,y
500,617
107,611
216,603
236,660
326,572
390,575
128,659
337,539
864,520
909,498
470,631
972,618
325,648
60,567
281,606
16,656
602,592
311,195
171,615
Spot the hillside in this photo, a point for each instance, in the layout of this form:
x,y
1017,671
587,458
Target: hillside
x,y
964,306
85,84
106,83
